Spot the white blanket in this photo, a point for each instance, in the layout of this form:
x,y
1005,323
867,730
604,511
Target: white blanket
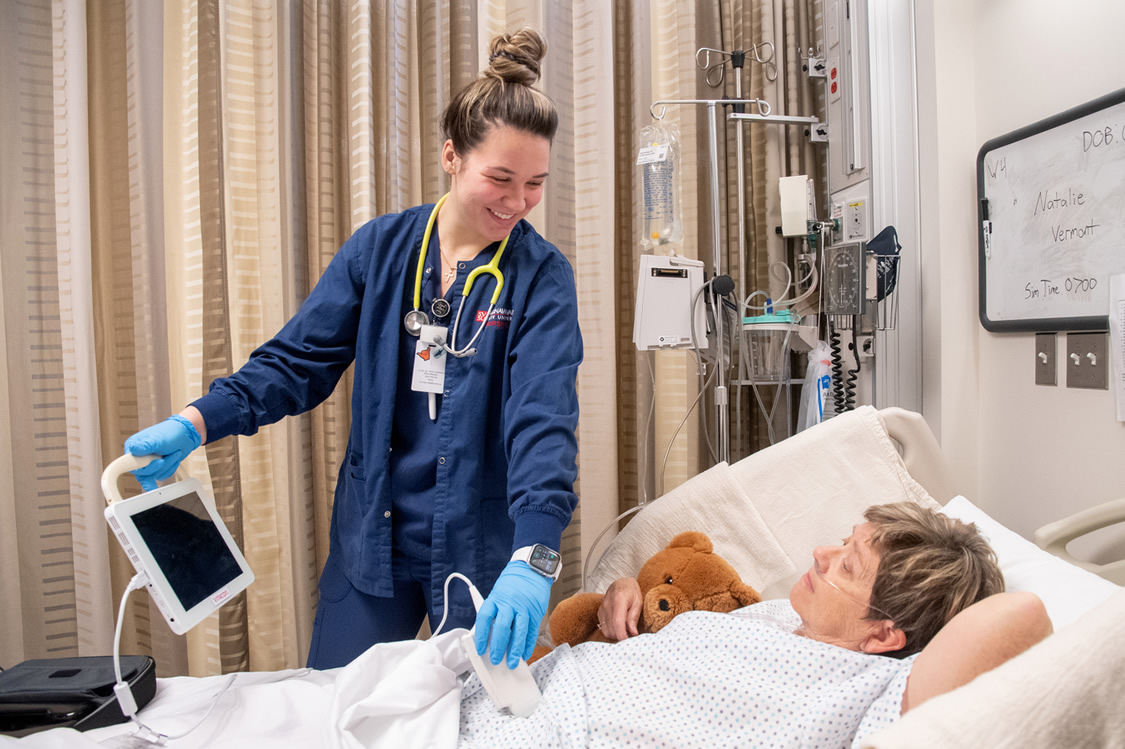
x,y
400,694
256,711
395,694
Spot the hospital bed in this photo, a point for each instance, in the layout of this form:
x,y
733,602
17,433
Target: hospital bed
x,y
764,514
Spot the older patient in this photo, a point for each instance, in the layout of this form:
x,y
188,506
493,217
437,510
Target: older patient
x,y
810,671
909,580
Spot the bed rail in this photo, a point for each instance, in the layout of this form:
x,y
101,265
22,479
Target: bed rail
x,y
1054,537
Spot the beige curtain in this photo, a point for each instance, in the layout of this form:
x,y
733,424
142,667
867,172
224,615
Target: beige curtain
x,y
186,171
52,538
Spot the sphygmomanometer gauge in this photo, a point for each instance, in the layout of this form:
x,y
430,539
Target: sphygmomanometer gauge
x,y
844,286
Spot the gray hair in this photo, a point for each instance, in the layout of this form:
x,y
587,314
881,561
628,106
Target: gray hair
x,y
931,567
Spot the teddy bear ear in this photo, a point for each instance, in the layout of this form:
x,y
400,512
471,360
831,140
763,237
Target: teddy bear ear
x,y
692,540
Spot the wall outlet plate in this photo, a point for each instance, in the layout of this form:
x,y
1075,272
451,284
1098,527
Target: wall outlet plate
x,y
1046,353
1087,360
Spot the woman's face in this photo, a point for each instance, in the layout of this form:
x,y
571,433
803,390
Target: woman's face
x,y
497,183
837,615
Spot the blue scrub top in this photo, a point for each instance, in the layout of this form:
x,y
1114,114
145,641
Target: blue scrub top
x,y
503,451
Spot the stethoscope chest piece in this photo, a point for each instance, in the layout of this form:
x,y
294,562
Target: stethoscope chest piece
x,y
414,321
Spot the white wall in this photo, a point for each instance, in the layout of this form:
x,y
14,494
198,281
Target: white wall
x,y
1027,454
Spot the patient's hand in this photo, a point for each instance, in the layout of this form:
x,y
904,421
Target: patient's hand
x,y
621,609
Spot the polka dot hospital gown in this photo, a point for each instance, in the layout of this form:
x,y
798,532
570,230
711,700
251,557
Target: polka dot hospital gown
x,y
707,680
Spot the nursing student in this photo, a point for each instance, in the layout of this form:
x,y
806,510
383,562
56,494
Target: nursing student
x,y
462,451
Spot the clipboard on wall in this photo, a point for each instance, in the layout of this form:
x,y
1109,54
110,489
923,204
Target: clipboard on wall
x,y
1051,220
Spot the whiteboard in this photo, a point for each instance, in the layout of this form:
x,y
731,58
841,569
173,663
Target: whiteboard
x,y
1051,215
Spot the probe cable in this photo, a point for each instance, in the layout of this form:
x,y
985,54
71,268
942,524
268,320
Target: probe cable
x,y
478,599
121,688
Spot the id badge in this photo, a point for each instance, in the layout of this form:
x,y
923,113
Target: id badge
x,y
429,360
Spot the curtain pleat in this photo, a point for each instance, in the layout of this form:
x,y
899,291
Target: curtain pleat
x,y
676,441
129,309
327,222
93,608
631,53
41,533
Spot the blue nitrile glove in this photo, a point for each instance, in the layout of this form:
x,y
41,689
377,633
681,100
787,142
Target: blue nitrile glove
x,y
172,438
512,612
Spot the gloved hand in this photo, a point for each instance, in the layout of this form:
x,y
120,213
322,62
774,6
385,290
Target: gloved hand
x,y
512,613
172,438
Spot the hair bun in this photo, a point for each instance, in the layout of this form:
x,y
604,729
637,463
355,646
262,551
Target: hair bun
x,y
514,58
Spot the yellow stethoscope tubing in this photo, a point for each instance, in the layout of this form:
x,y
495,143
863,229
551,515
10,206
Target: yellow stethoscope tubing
x,y
492,269
422,253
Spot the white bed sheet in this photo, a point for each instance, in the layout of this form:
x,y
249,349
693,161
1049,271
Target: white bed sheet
x,y
396,694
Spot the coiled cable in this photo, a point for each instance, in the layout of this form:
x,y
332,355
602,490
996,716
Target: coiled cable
x,y
837,369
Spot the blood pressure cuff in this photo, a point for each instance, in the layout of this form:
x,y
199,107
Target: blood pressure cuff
x,y
70,692
885,247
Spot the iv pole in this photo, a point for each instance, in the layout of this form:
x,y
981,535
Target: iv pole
x,y
722,403
764,114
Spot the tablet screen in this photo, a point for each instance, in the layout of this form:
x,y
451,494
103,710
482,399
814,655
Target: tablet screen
x,y
188,548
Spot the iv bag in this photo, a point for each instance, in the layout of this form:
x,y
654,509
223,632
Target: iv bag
x,y
818,381
659,160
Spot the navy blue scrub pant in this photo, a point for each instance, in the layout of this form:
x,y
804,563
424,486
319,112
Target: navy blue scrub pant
x,y
349,621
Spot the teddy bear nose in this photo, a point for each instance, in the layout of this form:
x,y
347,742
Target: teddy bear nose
x,y
664,605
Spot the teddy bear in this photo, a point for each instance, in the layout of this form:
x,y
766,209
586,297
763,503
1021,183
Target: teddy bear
x,y
684,576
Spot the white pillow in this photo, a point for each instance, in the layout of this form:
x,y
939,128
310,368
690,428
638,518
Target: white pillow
x,y
1066,590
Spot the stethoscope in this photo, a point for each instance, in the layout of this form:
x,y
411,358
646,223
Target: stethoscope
x,y
416,318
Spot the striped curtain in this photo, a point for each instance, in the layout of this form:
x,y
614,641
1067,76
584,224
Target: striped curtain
x,y
185,171
53,544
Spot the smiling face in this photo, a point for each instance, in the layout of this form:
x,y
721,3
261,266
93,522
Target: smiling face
x,y
494,185
832,597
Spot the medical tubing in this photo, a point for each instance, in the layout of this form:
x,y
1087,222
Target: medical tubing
x,y
783,374
664,464
812,277
478,599
746,359
122,690
699,371
467,349
870,606
648,429
590,553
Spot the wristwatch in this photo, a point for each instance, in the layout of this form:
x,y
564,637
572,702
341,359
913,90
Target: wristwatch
x,y
547,562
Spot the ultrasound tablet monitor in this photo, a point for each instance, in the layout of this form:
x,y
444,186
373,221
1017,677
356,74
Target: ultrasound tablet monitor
x,y
180,543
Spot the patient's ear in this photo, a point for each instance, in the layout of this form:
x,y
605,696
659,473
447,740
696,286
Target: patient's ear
x,y
884,637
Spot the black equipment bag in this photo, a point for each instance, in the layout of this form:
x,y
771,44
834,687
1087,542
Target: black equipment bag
x,y
70,692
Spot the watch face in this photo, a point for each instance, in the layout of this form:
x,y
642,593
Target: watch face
x,y
544,559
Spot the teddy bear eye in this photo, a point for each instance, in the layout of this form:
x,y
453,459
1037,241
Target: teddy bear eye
x,y
668,580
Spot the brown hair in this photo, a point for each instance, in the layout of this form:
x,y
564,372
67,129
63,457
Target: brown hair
x,y
503,95
931,567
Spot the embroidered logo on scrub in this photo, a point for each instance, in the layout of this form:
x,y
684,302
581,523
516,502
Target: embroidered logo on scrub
x,y
499,319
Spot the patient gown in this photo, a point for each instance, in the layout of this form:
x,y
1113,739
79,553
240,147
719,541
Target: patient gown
x,y
707,680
